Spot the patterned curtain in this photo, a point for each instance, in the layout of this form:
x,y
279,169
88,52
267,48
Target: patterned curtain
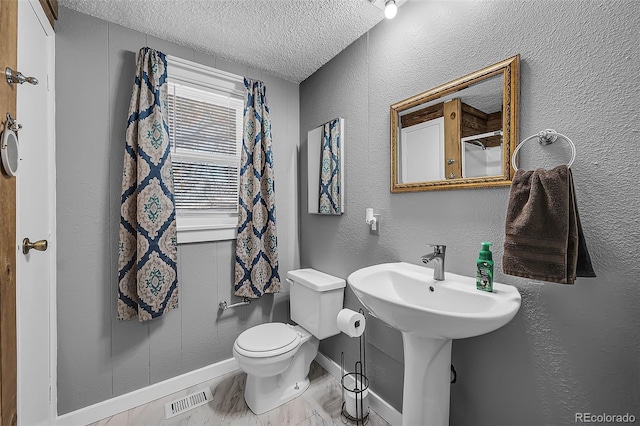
x,y
330,169
256,269
148,279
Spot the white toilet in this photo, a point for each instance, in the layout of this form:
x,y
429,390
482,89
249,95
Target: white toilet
x,y
277,356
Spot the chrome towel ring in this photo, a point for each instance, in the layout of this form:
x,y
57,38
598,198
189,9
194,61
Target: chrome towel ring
x,y
545,137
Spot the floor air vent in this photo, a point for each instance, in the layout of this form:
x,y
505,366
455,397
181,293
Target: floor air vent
x,y
189,402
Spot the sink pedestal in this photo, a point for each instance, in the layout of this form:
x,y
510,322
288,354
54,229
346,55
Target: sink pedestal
x,y
427,380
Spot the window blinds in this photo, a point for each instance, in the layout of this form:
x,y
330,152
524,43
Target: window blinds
x,y
205,131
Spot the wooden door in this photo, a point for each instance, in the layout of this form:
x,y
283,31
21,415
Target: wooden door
x,y
8,353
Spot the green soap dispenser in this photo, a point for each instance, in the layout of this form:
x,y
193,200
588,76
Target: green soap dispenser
x,y
484,271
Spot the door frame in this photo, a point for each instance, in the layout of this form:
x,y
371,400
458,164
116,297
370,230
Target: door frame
x,y
8,251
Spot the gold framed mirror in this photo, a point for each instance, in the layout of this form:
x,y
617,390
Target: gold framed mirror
x,y
457,135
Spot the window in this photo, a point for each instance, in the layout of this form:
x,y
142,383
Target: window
x,y
205,108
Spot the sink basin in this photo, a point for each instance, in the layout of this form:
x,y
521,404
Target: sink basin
x,y
407,297
430,314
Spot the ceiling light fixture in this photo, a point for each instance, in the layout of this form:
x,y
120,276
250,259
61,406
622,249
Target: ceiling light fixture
x,y
390,9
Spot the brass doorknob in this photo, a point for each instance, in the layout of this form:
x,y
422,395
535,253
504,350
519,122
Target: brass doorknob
x,y
37,245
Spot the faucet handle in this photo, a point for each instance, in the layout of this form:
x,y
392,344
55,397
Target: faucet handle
x,y
438,248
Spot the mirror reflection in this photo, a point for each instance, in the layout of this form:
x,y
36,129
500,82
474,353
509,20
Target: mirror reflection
x,y
9,152
459,134
326,168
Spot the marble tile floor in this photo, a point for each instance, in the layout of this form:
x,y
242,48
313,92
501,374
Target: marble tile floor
x,y
319,405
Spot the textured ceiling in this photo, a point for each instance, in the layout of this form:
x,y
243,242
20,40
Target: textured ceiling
x,y
289,39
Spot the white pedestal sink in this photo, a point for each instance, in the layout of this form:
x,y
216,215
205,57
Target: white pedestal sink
x,y
430,314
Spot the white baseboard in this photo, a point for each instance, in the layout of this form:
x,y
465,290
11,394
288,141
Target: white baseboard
x,y
113,406
377,404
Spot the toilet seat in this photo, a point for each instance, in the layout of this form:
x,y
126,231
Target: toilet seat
x,y
267,340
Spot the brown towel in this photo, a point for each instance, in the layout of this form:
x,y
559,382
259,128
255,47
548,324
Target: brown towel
x,y
544,239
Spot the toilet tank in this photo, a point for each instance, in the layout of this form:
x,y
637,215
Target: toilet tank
x,y
316,299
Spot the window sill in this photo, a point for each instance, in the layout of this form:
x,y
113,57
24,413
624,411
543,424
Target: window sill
x,y
193,230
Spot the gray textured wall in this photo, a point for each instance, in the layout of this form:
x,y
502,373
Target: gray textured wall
x,y
570,348
99,357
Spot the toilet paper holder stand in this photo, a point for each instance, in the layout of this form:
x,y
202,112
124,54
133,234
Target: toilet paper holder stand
x,y
355,385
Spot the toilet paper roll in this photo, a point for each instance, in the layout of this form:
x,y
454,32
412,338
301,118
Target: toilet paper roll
x,y
351,322
352,398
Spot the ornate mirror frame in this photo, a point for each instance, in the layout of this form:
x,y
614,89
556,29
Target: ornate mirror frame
x,y
510,70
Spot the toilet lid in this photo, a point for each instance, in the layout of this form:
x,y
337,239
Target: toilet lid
x,y
269,337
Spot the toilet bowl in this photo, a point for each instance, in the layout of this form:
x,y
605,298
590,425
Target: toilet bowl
x,y
277,356
275,375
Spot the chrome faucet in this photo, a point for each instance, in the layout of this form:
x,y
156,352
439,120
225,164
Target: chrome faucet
x,y
438,257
